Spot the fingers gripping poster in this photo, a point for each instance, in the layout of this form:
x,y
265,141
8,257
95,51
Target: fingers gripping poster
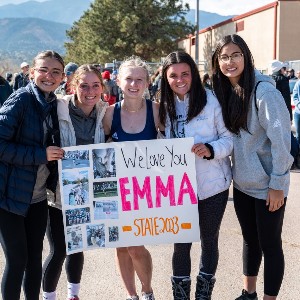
x,y
129,194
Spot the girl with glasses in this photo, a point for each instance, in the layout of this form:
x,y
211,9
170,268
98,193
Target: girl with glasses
x,y
28,149
80,120
255,112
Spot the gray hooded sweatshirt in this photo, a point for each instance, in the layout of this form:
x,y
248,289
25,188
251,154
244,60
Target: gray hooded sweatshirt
x,y
262,160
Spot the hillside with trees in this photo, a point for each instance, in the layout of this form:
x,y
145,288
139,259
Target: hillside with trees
x,y
61,11
21,39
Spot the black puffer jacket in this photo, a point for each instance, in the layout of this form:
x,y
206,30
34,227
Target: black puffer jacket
x,y
282,84
5,90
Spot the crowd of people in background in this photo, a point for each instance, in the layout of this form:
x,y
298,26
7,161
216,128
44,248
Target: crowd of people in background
x,y
112,93
234,111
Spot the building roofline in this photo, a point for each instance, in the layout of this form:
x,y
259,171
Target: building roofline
x,y
236,18
242,16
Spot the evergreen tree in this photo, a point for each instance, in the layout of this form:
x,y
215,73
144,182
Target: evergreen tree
x,y
113,29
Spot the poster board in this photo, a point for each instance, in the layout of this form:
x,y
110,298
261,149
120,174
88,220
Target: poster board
x,y
129,194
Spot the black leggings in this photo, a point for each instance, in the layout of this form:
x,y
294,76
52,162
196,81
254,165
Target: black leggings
x,y
261,231
22,242
53,265
211,211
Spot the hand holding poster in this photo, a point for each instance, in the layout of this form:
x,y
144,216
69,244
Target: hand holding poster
x,y
129,194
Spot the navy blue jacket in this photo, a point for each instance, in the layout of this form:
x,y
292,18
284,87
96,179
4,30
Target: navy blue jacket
x,y
5,90
22,147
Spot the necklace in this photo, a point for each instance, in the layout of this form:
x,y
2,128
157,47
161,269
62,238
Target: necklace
x,y
133,111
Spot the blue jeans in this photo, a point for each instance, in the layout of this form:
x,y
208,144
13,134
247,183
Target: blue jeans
x,y
297,125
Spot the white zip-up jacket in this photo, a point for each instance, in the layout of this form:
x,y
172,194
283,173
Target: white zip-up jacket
x,y
68,137
214,175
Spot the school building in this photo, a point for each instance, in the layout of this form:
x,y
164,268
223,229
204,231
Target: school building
x,y
271,32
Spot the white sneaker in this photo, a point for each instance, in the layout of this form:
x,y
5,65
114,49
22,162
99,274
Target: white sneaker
x,y
149,296
132,298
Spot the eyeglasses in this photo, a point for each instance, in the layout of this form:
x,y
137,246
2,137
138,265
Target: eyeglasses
x,y
234,57
54,73
86,88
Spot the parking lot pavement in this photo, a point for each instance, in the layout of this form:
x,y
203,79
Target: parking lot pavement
x,y
101,281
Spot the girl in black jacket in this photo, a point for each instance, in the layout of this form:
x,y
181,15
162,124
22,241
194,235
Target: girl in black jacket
x,y
27,121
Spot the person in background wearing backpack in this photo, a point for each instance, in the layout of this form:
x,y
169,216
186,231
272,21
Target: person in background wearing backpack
x,y
261,160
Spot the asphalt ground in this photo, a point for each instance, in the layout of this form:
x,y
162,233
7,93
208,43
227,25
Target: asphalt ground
x,y
101,280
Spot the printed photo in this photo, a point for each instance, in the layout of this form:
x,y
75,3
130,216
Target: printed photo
x,y
104,164
113,233
95,235
78,216
75,187
74,238
106,210
105,189
76,159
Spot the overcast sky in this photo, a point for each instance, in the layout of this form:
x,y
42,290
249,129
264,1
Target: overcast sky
x,y
221,7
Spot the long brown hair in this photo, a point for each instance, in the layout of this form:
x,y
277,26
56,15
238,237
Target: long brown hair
x,y
234,100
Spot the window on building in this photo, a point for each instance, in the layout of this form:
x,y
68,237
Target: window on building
x,y
239,26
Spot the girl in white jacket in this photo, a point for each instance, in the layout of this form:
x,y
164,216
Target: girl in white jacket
x,y
188,110
80,122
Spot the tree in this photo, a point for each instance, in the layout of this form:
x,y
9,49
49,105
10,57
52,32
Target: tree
x,y
114,29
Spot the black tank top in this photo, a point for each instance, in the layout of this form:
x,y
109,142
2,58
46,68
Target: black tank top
x,y
119,135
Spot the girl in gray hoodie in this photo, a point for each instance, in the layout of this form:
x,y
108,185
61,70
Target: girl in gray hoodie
x,y
256,113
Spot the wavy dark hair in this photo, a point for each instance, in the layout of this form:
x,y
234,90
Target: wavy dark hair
x,y
197,94
234,100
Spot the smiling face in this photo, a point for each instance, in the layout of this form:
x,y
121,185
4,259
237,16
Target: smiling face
x,y
180,79
133,82
88,89
233,68
47,74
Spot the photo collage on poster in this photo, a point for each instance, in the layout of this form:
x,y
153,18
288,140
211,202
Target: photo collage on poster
x,y
90,194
